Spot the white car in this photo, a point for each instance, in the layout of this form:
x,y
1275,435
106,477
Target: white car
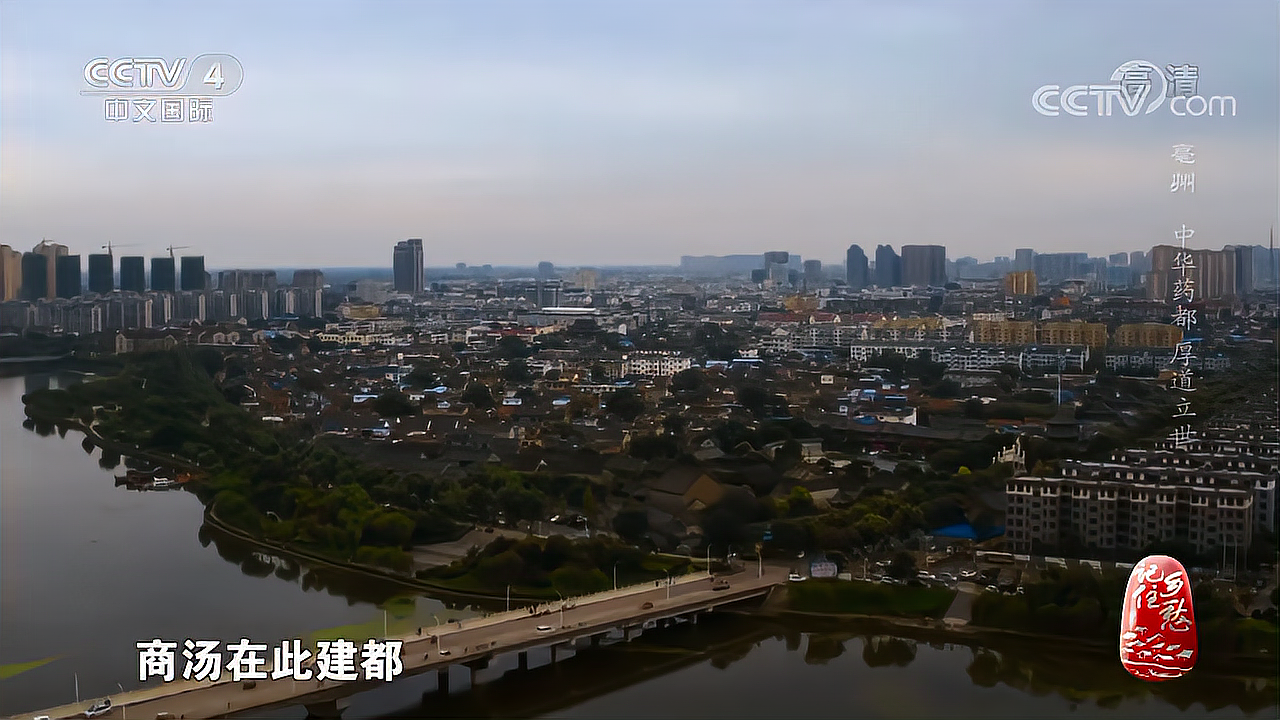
x,y
545,628
102,707
445,653
968,574
796,577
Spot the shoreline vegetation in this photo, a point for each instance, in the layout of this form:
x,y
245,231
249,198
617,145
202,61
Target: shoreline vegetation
x,y
292,493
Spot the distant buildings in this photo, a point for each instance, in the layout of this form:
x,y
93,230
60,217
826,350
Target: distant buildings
x,y
1148,335
10,273
193,277
812,273
308,279
36,277
856,272
51,252
1216,273
1021,282
102,273
1024,259
67,276
888,272
407,268
924,265
133,274
164,275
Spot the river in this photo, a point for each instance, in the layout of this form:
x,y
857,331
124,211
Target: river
x,y
87,569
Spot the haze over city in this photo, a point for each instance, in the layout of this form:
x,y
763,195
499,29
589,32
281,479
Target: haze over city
x,y
511,133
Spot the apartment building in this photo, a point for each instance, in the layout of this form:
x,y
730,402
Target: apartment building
x,y
1118,515
655,364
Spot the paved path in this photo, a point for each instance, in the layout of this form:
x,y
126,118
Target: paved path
x,y
505,632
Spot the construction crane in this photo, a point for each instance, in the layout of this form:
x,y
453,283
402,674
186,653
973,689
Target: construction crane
x,y
108,247
171,248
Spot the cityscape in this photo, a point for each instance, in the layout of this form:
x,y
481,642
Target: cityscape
x,y
562,359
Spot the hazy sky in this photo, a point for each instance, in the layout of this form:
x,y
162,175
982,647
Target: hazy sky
x,y
615,132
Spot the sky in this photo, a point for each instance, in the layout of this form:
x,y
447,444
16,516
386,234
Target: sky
x,y
633,132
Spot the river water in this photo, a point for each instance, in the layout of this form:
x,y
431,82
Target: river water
x,y
87,569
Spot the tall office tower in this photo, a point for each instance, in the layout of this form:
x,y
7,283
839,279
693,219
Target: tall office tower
x,y
1118,259
35,276
812,273
237,280
102,273
308,279
1244,268
856,273
1024,259
133,274
407,268
775,267
1140,262
51,251
193,276
67,276
924,265
10,273
546,270
164,278
888,267
1056,267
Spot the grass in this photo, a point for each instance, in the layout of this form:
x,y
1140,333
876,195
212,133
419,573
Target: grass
x,y
862,598
12,669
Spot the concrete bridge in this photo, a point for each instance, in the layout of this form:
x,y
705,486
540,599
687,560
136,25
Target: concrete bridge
x,y
471,644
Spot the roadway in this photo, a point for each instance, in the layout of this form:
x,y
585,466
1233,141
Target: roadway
x,y
470,640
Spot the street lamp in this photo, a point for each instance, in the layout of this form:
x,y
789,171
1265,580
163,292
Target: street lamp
x,y
708,558
508,598
561,609
668,584
615,575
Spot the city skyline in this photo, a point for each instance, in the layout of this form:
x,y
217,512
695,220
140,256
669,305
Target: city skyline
x,y
558,132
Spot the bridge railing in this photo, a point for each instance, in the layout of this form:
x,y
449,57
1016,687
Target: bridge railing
x,y
552,607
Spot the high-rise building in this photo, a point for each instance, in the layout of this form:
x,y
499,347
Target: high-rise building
x,y
1244,268
1024,259
308,279
856,273
102,273
164,276
407,267
812,273
35,276
888,267
193,275
546,270
924,265
1022,282
67,276
133,274
1056,267
1213,273
1118,259
775,267
10,273
1140,262
51,251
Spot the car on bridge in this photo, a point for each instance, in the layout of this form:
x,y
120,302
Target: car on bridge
x,y
102,707
545,628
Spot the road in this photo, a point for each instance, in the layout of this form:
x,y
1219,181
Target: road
x,y
506,632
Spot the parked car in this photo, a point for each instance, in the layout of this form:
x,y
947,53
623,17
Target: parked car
x,y
98,709
796,577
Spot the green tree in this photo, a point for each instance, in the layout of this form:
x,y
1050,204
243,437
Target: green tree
x,y
903,566
626,404
394,403
631,524
477,394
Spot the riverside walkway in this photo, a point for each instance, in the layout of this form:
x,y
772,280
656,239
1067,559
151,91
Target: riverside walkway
x,y
471,643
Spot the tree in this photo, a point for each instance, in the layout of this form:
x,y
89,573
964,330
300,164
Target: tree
x,y
477,394
626,404
511,346
394,403
688,382
753,398
903,565
631,525
517,371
